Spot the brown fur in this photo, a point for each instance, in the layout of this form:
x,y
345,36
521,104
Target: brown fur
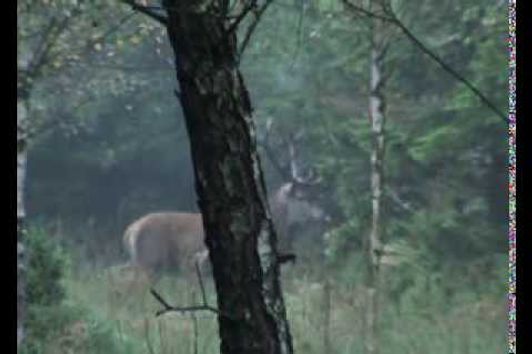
x,y
165,241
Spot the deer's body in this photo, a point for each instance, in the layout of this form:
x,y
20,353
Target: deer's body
x,y
163,241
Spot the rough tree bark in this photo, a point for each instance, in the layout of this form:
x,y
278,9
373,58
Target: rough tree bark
x,y
229,182
377,116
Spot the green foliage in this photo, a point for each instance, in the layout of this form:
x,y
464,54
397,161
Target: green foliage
x,y
55,324
423,317
60,42
69,328
124,152
46,268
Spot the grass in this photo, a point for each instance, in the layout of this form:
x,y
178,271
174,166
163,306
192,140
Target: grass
x,y
418,323
106,310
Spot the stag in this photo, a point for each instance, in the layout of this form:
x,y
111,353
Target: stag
x,y
164,241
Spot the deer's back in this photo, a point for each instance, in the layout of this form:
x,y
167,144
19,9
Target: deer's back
x,y
164,239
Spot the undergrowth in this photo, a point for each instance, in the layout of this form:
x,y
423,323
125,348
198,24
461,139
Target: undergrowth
x,y
103,310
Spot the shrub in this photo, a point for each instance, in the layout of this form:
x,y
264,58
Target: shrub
x,y
53,324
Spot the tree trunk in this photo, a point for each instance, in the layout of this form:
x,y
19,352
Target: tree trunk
x,y
229,182
22,112
377,119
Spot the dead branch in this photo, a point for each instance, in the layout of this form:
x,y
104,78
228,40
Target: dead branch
x,y
182,309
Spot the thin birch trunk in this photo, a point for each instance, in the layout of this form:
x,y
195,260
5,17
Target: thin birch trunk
x,y
377,118
22,113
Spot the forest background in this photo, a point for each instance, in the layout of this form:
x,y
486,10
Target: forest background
x,y
108,144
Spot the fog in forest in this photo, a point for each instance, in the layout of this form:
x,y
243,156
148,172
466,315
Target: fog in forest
x,y
108,145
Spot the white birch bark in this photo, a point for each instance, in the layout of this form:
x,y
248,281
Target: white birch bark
x,y
22,112
377,117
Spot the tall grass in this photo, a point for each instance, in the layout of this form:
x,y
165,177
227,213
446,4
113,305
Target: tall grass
x,y
418,323
106,310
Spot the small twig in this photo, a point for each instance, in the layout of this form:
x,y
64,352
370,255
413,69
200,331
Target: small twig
x,y
203,307
361,10
200,281
286,257
168,308
159,298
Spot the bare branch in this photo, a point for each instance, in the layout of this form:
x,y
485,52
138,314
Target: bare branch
x,y
203,307
251,5
168,308
361,10
392,18
147,10
258,13
449,69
